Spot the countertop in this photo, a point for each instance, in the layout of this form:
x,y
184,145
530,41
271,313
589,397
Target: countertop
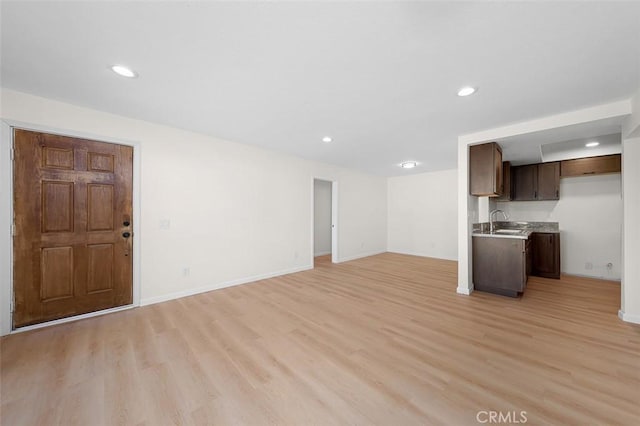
x,y
504,233
519,230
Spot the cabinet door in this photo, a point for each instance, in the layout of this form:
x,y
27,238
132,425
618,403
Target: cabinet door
x,y
524,182
506,182
497,170
485,169
591,165
546,254
548,181
498,265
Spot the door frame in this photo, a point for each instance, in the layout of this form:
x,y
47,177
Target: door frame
x,y
6,221
334,219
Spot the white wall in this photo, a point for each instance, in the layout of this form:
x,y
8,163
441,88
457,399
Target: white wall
x,y
589,213
321,217
630,307
236,212
362,220
423,214
5,229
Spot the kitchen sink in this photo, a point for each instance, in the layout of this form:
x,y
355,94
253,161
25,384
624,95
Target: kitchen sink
x,y
507,231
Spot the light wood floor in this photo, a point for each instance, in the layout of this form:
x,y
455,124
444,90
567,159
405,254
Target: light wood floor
x,y
382,340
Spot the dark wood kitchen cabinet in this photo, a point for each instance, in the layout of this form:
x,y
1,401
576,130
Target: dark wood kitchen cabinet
x,y
506,182
524,182
591,165
545,247
485,170
536,182
500,265
548,181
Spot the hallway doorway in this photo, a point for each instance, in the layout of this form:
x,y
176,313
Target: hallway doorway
x,y
324,220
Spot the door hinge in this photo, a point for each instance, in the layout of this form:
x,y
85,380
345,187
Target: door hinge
x,y
12,154
13,230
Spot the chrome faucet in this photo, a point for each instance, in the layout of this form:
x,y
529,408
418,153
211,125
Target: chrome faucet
x,y
493,212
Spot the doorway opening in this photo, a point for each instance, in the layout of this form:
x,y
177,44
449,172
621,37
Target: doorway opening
x,y
324,241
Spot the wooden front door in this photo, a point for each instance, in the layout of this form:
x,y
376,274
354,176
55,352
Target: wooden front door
x,y
73,234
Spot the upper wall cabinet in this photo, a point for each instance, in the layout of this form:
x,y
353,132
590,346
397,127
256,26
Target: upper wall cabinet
x,y
591,166
485,170
548,181
536,182
506,182
524,182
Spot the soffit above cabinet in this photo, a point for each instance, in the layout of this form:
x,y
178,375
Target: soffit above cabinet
x,y
563,143
576,148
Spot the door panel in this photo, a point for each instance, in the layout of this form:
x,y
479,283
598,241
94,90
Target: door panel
x,y
57,158
57,206
57,273
100,273
71,199
100,207
100,162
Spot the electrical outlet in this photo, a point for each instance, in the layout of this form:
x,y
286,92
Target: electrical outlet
x,y
186,271
609,266
165,224
588,266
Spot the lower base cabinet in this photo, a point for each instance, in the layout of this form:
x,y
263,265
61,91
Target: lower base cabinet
x,y
545,254
501,265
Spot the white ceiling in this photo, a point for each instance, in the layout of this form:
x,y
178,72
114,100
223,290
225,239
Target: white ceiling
x,y
379,77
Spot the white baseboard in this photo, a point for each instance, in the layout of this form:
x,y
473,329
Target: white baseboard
x,y
210,287
360,256
322,253
413,253
628,317
464,290
71,319
597,277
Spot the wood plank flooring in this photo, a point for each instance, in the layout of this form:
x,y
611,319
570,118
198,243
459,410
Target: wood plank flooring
x,y
382,340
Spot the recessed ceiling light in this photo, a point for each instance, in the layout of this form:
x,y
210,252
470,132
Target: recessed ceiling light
x,y
123,71
466,91
408,164
592,144
326,139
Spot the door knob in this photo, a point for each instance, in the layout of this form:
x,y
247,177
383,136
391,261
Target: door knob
x,y
126,234
126,223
